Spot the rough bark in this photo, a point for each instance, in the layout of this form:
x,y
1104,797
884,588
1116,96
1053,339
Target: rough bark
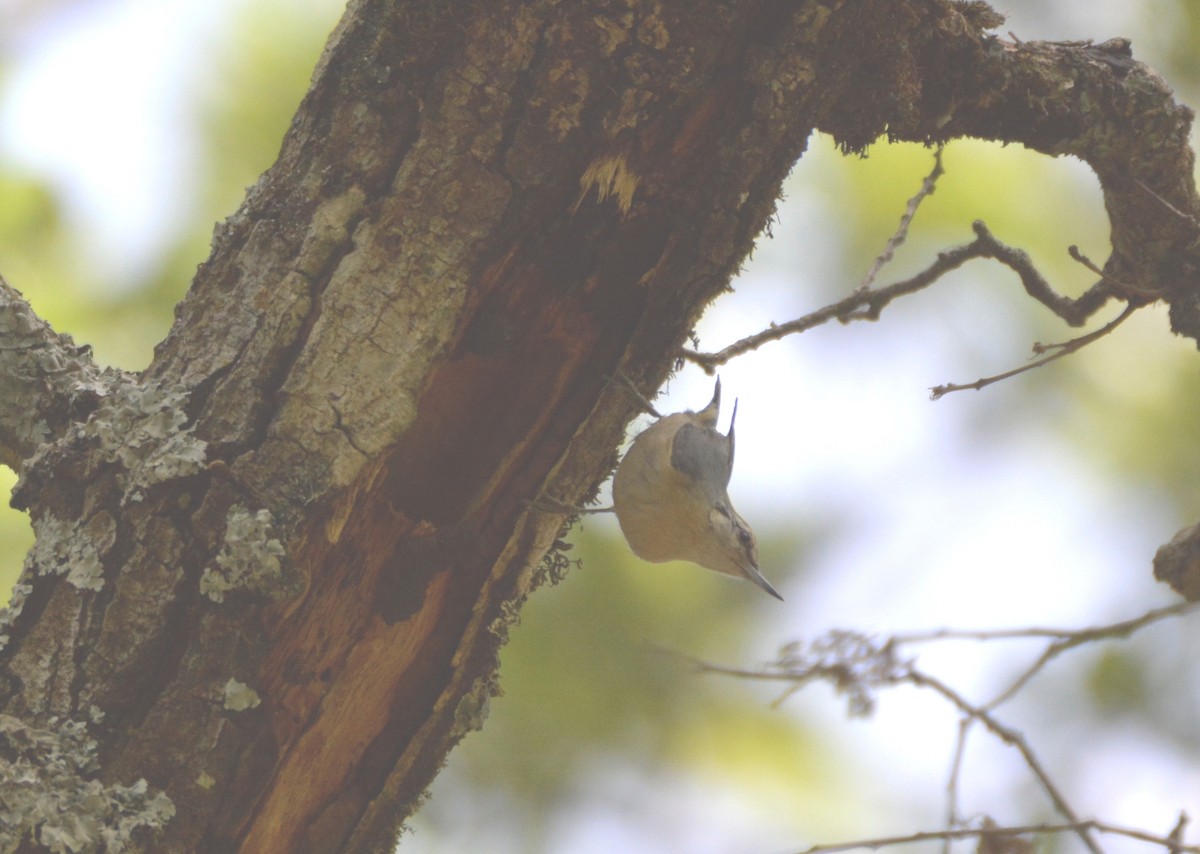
x,y
273,572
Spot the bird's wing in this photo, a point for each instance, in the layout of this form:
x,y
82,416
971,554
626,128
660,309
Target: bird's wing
x,y
704,455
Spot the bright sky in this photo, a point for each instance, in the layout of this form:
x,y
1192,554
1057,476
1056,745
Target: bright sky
x,y
114,137
953,523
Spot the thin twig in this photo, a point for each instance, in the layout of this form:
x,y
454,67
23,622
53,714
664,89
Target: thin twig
x,y
901,234
857,306
957,833
1188,218
1119,629
1123,288
1064,640
960,750
1176,835
1059,350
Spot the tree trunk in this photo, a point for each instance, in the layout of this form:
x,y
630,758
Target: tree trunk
x,y
274,571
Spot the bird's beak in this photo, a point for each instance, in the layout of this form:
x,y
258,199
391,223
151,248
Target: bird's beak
x,y
751,572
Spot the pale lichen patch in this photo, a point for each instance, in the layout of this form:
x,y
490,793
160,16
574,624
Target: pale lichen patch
x,y
49,794
251,558
239,696
141,426
16,602
72,548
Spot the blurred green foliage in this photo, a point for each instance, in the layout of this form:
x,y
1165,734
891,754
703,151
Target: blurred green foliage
x,y
605,666
1116,682
625,628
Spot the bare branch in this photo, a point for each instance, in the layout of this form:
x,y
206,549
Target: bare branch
x,y
995,832
857,664
1120,629
869,304
866,305
1060,349
1012,738
956,763
1074,311
45,380
1176,835
854,663
901,234
1064,640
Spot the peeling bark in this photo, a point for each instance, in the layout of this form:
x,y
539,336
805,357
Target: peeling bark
x,y
274,571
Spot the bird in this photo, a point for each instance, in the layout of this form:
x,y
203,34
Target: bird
x,y
671,495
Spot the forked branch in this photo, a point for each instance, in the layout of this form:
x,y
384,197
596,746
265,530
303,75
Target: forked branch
x,y
868,304
1055,351
46,381
858,666
865,303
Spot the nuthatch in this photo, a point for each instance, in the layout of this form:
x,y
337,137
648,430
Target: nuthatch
x,y
671,496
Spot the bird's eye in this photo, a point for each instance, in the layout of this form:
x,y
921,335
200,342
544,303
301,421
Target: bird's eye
x,y
745,538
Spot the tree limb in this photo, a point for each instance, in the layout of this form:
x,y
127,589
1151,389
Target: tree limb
x,y
46,381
